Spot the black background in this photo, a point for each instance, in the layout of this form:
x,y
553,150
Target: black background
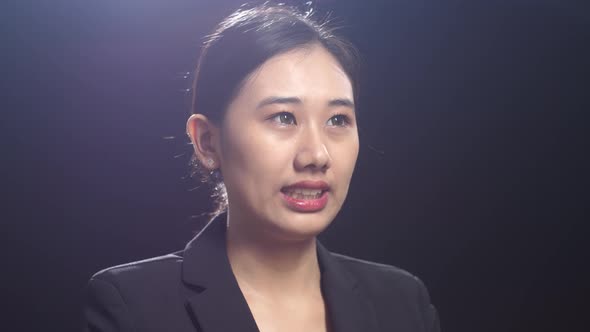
x,y
472,171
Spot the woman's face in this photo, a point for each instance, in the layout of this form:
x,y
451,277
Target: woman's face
x,y
288,145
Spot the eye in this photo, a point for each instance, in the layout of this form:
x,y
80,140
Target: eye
x,y
339,120
284,118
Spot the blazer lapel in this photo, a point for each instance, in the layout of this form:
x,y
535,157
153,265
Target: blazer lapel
x,y
349,308
215,301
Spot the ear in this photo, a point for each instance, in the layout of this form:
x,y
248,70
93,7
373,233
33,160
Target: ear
x,y
204,136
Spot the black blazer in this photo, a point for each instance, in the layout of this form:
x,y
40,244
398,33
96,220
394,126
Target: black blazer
x,y
195,290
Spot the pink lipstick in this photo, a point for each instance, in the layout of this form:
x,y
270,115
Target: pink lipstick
x,y
306,196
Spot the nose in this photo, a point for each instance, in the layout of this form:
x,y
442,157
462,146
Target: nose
x,y
312,152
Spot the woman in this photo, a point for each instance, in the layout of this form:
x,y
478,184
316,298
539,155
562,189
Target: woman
x,y
274,126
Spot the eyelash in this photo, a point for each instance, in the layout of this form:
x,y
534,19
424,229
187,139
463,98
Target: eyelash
x,y
277,115
345,118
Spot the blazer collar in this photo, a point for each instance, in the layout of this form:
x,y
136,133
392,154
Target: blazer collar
x,y
349,307
217,304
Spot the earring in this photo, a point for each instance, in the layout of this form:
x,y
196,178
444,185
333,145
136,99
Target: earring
x,y
210,162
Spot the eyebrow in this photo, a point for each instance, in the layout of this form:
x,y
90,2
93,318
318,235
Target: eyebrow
x,y
295,100
341,102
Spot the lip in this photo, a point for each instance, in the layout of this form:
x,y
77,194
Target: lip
x,y
307,205
307,184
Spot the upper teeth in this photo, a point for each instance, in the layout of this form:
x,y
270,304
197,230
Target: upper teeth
x,y
304,191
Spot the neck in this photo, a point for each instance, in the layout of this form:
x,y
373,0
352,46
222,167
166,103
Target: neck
x,y
271,266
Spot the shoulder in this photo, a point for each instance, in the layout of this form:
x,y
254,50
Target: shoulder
x,y
386,283
394,292
153,269
136,295
153,277
377,273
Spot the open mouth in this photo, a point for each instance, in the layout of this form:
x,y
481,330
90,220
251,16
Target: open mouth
x,y
303,193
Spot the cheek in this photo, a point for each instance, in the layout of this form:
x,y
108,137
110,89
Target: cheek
x,y
347,150
254,157
345,157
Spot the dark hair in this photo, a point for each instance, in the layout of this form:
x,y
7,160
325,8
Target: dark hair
x,y
241,43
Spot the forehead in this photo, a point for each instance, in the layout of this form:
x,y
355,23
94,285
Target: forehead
x,y
310,73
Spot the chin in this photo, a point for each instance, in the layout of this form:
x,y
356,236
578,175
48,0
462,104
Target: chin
x,y
296,226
